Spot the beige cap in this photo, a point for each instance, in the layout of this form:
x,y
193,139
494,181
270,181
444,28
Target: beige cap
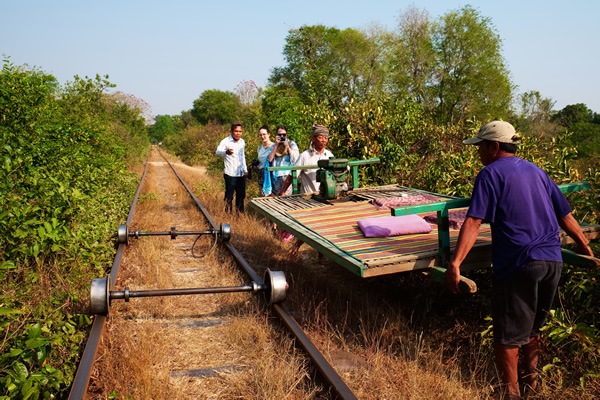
x,y
495,131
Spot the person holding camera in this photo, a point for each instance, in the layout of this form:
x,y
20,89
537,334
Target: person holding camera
x,y
284,154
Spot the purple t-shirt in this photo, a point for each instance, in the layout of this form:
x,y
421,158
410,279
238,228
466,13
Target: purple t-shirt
x,y
522,205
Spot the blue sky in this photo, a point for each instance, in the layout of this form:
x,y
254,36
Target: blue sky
x,y
168,52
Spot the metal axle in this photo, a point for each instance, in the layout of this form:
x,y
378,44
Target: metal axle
x,y
274,288
127,294
123,234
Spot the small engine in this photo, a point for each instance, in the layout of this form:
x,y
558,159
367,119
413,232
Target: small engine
x,y
333,176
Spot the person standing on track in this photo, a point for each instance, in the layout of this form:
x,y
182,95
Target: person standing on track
x,y
264,149
235,172
308,177
525,209
284,154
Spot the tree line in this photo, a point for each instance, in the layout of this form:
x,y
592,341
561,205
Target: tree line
x,y
407,96
410,96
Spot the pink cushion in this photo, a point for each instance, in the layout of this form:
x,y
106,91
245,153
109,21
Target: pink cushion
x,y
393,226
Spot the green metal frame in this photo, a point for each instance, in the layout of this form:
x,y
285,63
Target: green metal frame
x,y
354,164
349,262
442,215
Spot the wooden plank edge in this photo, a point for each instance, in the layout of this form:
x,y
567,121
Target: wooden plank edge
x,y
466,285
580,260
318,243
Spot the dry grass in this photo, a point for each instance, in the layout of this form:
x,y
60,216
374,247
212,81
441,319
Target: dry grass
x,y
153,344
390,359
396,337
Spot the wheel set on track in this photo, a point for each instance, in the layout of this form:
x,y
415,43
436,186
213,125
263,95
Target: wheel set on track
x,y
205,242
274,287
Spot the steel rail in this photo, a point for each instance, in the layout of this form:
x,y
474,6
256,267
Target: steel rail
x,y
84,369
325,369
82,376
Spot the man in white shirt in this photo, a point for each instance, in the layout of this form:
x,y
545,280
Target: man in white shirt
x,y
235,172
308,177
316,151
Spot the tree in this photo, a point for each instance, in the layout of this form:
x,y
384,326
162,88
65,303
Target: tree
x,y
453,66
586,137
250,98
247,92
329,65
134,103
216,106
573,114
412,58
535,114
471,78
582,123
162,127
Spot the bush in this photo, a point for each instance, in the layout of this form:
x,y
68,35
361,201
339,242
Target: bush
x,y
64,186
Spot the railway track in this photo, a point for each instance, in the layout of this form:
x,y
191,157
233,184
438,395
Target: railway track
x,y
187,346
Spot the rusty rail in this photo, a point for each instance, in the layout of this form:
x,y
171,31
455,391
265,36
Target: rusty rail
x,y
326,371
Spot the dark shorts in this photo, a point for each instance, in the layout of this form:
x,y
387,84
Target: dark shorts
x,y
520,305
260,178
277,184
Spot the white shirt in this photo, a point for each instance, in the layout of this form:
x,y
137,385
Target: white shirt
x,y
309,176
235,164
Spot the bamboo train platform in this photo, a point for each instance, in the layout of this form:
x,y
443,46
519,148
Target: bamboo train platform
x,y
331,228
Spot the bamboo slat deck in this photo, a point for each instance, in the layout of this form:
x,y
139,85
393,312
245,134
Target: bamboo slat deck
x,y
331,228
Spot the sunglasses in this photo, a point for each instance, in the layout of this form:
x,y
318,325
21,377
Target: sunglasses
x,y
282,134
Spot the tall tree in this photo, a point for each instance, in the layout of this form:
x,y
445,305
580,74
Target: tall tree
x,y
216,106
412,58
329,65
250,104
573,114
163,126
535,114
453,66
471,77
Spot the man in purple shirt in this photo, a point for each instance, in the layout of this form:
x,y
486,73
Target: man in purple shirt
x,y
524,208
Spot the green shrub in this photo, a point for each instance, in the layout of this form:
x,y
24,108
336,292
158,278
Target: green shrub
x,y
64,187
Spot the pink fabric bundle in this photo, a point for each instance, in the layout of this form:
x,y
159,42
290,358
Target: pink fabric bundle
x,y
411,200
455,218
393,226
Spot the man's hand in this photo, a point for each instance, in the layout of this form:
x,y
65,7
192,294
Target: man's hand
x,y
229,151
586,250
571,226
452,278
